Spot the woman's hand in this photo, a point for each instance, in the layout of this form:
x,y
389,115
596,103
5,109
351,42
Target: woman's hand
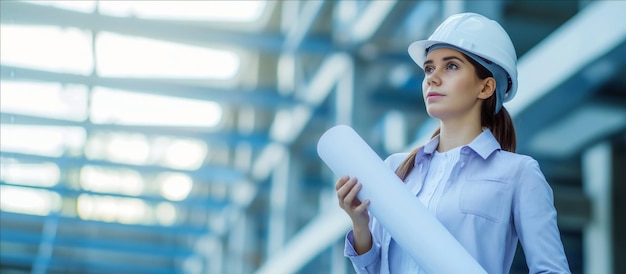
x,y
347,188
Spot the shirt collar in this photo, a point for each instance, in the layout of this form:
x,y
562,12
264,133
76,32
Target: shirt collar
x,y
483,145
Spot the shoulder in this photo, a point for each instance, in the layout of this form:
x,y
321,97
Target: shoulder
x,y
507,166
508,160
394,160
513,159
525,169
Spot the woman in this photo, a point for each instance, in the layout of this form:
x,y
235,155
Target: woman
x,y
468,174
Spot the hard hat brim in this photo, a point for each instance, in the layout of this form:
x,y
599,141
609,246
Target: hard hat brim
x,y
417,50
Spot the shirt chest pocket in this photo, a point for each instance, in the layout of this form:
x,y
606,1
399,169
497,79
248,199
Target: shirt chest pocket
x,y
485,198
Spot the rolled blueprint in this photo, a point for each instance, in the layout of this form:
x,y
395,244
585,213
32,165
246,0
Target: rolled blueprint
x,y
409,222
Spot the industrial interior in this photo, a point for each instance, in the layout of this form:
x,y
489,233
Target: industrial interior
x,y
180,136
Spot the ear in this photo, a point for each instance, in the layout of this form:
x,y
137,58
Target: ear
x,y
489,88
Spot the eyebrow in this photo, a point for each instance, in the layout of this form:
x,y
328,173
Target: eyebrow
x,y
447,58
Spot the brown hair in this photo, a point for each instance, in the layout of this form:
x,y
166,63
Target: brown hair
x,y
500,124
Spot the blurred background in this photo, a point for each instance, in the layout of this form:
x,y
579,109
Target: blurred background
x,y
180,136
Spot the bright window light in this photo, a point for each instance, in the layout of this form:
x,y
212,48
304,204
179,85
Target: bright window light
x,y
41,140
113,209
126,56
53,100
47,48
166,213
128,148
86,6
111,180
31,174
119,147
28,201
185,154
129,108
175,186
232,11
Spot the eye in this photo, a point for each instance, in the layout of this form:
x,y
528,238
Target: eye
x,y
428,69
452,66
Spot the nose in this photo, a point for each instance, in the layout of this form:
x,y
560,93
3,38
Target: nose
x,y
432,78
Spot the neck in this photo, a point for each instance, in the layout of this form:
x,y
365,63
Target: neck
x,y
458,132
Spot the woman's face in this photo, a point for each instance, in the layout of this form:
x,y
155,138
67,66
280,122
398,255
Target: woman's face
x,y
451,87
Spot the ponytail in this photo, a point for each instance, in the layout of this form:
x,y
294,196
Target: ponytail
x,y
407,165
501,124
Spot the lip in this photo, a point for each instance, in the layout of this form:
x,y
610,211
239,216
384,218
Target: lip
x,y
434,95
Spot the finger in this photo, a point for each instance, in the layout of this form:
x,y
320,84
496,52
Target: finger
x,y
344,190
350,198
344,199
362,207
346,187
342,181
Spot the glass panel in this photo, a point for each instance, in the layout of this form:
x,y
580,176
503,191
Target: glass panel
x,y
128,108
184,154
165,214
232,11
86,6
114,209
30,174
119,147
28,201
126,56
41,140
108,180
47,48
53,100
175,186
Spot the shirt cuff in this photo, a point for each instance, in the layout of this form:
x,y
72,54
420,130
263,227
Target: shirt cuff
x,y
363,260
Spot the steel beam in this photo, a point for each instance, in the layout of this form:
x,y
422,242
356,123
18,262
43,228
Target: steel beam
x,y
205,202
579,42
13,12
262,97
205,174
203,134
150,230
60,265
105,244
297,34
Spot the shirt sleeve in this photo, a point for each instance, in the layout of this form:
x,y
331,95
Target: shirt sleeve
x,y
368,262
535,222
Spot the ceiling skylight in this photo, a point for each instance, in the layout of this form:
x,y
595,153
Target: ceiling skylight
x,y
108,180
114,209
231,11
30,174
47,48
129,108
126,56
175,186
41,140
54,100
29,201
86,6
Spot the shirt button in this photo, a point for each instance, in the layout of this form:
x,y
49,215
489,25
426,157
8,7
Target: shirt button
x,y
462,164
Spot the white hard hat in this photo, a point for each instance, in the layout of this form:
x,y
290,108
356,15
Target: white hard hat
x,y
479,35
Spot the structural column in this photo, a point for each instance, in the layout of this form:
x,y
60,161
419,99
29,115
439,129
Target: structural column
x,y
597,234
619,209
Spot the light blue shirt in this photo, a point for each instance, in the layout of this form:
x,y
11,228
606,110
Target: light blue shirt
x,y
492,199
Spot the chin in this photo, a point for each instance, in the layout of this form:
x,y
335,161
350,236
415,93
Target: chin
x,y
436,113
